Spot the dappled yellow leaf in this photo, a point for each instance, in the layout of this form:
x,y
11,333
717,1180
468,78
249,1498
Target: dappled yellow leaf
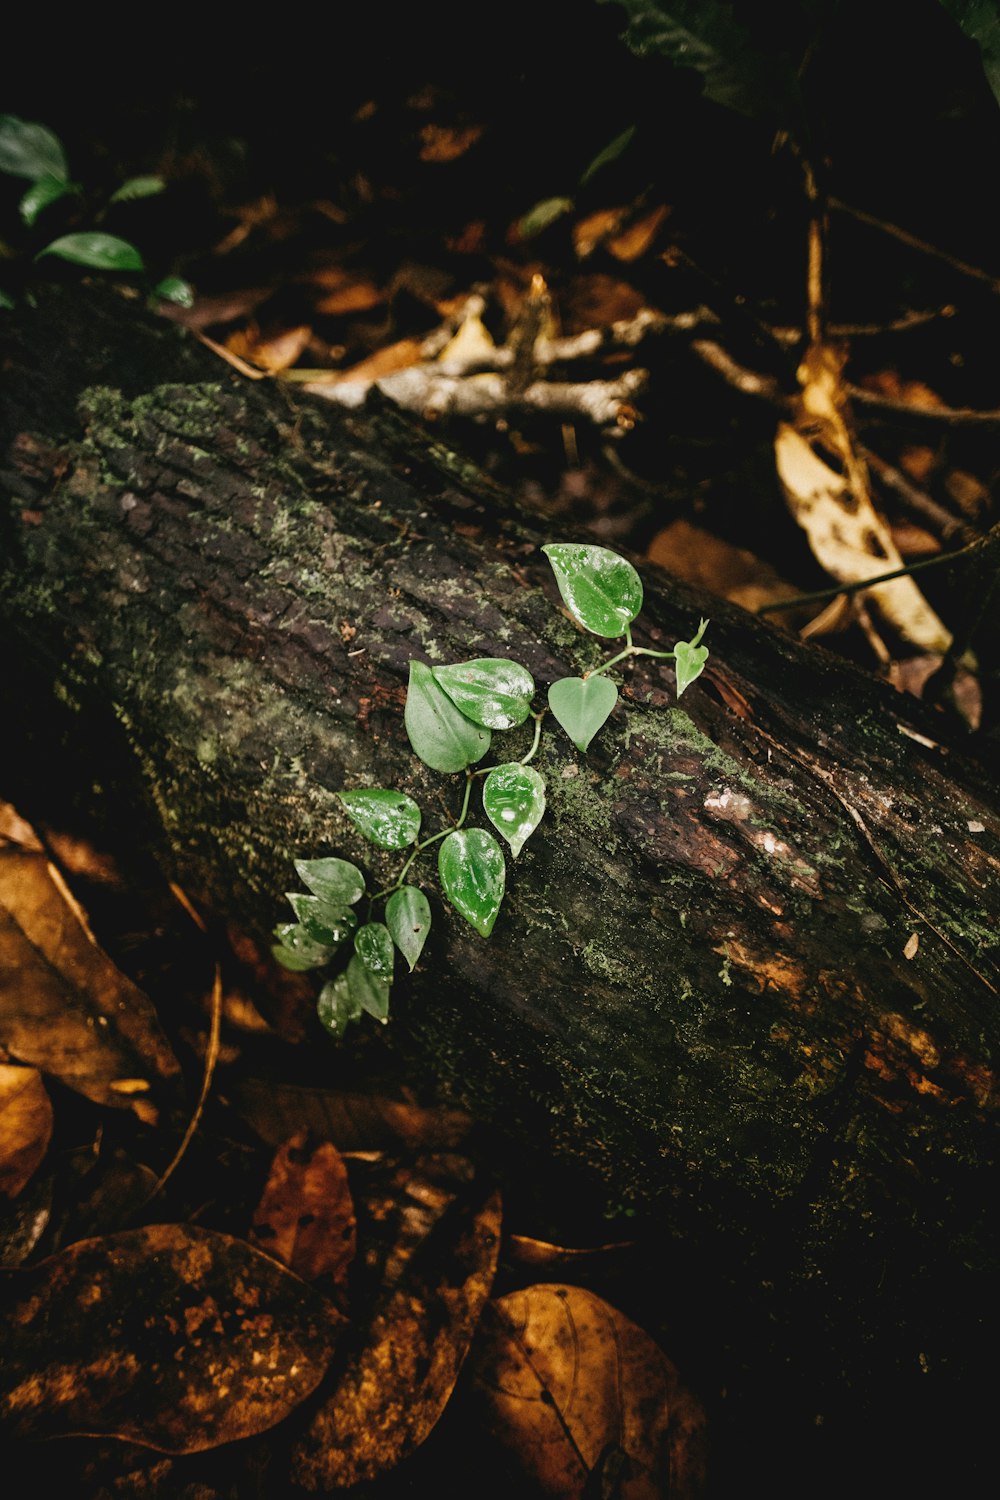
x,y
579,1396
305,1217
64,1006
170,1336
25,1126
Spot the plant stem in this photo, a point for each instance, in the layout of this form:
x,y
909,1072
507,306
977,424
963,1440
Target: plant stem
x,y
538,734
418,849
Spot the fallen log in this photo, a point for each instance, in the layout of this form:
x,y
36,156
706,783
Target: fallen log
x,y
745,979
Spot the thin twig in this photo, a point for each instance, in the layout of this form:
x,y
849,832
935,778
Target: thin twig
x,y
211,1058
906,238
918,503
959,415
817,596
740,377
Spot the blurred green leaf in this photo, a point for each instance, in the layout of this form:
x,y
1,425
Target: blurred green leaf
x,y
137,187
41,193
91,247
30,150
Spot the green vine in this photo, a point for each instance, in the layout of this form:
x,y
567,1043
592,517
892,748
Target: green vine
x,y
451,715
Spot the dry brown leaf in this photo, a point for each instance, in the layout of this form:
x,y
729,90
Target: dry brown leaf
x,y
272,354
595,228
387,361
699,557
447,142
918,461
305,1217
25,1126
571,1389
173,1337
64,1006
397,1383
353,1122
354,295
634,241
14,830
522,1250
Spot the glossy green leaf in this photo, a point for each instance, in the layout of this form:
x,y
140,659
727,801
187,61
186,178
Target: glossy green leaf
x,y
690,658
443,737
542,215
30,150
611,153
600,589
91,247
40,194
581,705
473,874
335,881
337,1006
514,801
368,990
373,945
137,187
323,922
489,691
176,290
389,819
408,917
296,950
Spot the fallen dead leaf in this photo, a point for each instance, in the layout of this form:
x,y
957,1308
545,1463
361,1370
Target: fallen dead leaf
x,y
353,1122
584,1401
14,829
399,1379
272,354
595,228
522,1250
173,1337
439,143
64,1006
699,557
634,241
387,361
25,1127
305,1217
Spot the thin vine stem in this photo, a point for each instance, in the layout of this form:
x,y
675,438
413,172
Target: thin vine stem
x,y
418,849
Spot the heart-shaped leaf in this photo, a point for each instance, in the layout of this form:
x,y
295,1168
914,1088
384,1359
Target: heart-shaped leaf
x,y
297,951
408,917
337,1006
489,690
322,922
514,801
600,589
91,247
440,734
368,990
690,661
373,945
335,881
473,874
389,819
581,705
176,290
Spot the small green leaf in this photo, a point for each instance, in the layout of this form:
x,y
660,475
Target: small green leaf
x,y
323,923
367,990
611,153
176,290
41,193
373,945
600,589
137,187
408,917
337,1007
6,301
30,150
335,881
690,659
389,819
295,949
472,871
91,247
581,705
542,215
514,801
443,737
489,691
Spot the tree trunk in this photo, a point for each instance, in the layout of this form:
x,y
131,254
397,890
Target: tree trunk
x,y
745,976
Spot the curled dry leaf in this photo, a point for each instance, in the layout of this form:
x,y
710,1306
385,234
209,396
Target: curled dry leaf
x,y
571,1388
173,1337
305,1217
64,1006
397,1382
25,1126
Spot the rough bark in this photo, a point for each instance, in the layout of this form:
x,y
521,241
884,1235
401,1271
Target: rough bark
x,y
702,992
